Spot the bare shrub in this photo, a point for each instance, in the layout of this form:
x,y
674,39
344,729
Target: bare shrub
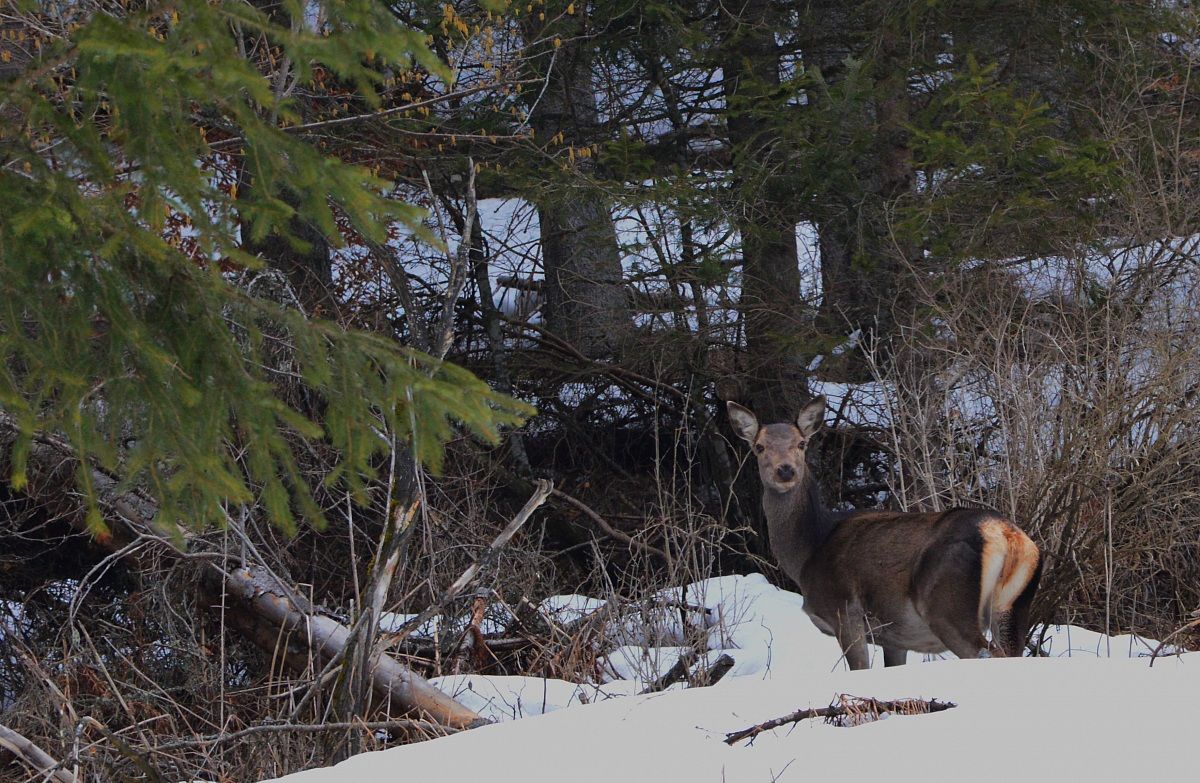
x,y
1062,392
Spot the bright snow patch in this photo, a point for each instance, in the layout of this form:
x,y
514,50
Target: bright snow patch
x,y
508,698
566,609
1051,714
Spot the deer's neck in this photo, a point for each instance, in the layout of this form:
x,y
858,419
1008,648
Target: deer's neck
x,y
798,524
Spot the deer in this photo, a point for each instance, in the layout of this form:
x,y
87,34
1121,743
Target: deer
x,y
927,582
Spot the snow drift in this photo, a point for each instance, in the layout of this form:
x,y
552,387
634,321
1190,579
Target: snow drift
x,y
1094,708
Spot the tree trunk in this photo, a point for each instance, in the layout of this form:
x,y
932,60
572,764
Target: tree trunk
x,y
861,255
773,379
302,257
845,302
896,251
301,253
586,300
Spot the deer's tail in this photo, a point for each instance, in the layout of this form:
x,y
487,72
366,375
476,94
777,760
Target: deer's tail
x,y
1011,570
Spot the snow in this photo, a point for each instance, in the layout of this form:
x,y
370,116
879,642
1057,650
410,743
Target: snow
x,y
565,609
494,622
1071,641
508,698
1013,716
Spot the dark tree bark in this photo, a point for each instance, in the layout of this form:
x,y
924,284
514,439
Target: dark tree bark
x,y
303,258
893,250
301,251
308,268
773,379
846,282
861,255
586,300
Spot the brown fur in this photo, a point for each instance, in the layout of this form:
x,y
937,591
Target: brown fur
x,y
906,581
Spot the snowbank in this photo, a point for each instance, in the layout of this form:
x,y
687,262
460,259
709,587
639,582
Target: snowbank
x,y
1076,715
1063,719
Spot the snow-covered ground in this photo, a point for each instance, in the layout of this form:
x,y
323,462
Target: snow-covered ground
x,y
1093,709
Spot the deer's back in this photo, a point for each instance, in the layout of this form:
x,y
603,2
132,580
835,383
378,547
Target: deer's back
x,y
874,560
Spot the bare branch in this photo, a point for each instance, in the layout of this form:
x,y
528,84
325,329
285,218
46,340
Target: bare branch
x,y
608,529
843,706
28,751
543,491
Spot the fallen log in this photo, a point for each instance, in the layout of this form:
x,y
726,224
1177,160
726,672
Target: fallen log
x,y
327,639
680,672
713,674
28,751
259,596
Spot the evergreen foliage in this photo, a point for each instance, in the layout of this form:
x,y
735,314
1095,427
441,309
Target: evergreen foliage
x,y
115,332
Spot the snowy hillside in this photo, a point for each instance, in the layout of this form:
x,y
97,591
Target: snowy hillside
x,y
1076,714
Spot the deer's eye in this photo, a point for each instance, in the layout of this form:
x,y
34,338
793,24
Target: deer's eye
x,y
759,448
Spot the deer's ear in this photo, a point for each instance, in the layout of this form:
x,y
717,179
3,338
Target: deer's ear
x,y
744,422
812,416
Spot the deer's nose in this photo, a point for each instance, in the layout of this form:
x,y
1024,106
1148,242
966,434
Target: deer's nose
x,y
785,472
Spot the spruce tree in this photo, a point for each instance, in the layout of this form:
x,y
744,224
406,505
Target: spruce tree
x,y
124,326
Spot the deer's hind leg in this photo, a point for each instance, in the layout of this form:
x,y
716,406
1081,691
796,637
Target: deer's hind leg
x,y
963,640
851,632
1012,627
947,598
894,656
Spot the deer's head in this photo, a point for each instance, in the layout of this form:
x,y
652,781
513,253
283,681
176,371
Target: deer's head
x,y
779,448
